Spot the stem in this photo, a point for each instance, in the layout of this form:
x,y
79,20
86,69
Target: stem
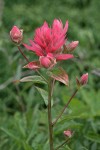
x,y
64,107
53,82
49,115
29,61
23,54
41,75
62,144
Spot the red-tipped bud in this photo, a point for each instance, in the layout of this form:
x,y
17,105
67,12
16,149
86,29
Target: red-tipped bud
x,y
71,46
47,61
68,133
84,79
16,35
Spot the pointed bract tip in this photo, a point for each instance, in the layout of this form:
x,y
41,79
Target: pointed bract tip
x,y
33,65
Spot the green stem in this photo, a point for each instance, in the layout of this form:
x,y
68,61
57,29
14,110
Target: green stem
x,y
64,107
49,115
41,76
62,144
53,82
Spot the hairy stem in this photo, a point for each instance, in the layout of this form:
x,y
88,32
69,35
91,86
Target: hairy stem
x,y
64,107
23,54
49,115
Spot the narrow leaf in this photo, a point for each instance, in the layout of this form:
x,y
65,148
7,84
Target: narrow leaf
x,y
44,95
8,132
34,79
26,146
93,137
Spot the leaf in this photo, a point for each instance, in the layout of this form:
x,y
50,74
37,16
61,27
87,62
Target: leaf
x,y
84,148
93,137
26,146
18,72
59,74
44,95
92,100
8,132
67,147
76,113
34,79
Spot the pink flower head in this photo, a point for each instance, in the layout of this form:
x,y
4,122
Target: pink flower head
x,y
84,79
48,42
68,133
16,34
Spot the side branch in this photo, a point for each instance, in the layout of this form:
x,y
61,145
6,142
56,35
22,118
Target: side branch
x,y
62,144
64,108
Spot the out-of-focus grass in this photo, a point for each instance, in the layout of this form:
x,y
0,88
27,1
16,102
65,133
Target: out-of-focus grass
x,y
23,119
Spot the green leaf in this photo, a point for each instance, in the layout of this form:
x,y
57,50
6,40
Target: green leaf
x,y
18,72
59,74
34,79
93,137
76,113
8,132
44,95
67,147
26,146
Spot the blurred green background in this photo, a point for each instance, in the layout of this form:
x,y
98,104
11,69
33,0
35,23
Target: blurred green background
x,y
23,113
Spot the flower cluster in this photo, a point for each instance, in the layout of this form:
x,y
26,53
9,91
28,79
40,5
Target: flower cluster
x,y
48,44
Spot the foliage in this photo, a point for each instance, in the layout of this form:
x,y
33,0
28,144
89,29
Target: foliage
x,y
23,114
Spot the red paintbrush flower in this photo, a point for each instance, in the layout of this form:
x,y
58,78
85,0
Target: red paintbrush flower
x,y
48,42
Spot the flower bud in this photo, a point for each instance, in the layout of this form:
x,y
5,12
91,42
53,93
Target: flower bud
x,y
47,61
16,35
68,133
71,46
84,79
